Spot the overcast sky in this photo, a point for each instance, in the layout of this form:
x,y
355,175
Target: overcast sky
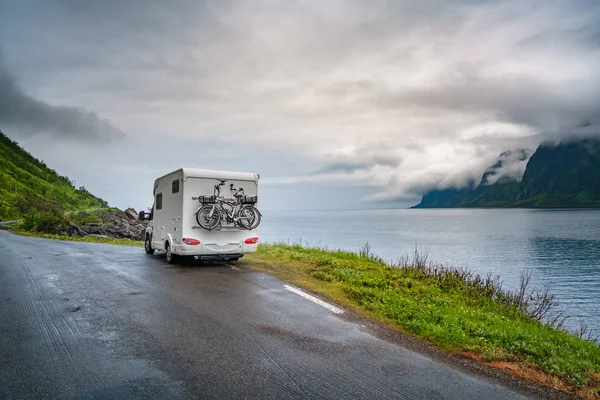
x,y
337,104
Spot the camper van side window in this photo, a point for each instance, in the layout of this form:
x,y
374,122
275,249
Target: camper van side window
x,y
175,186
159,201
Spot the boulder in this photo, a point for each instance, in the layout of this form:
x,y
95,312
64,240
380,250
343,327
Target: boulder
x,y
131,214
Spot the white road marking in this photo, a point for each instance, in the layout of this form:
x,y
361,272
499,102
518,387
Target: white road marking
x,y
328,306
236,268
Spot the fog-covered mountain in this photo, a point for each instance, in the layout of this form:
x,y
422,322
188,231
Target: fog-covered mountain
x,y
563,175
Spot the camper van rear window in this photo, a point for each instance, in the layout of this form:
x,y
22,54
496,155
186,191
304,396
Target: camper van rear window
x,y
159,201
175,186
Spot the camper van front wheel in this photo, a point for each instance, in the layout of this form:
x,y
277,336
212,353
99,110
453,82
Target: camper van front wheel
x,y
148,245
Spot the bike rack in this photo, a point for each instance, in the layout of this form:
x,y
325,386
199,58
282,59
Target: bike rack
x,y
224,226
222,229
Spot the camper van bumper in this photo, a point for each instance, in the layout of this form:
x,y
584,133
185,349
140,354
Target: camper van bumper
x,y
219,257
208,250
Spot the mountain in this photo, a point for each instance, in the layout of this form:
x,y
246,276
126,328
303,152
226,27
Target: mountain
x,y
27,184
563,175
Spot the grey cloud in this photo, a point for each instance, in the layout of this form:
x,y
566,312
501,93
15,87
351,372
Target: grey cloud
x,y
586,35
364,159
514,98
344,167
29,116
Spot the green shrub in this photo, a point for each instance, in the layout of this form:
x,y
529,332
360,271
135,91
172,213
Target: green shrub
x,y
92,219
31,221
51,221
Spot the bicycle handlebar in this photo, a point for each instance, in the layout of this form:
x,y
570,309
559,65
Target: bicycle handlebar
x,y
237,192
217,190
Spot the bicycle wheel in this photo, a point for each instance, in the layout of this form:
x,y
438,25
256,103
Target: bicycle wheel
x,y
249,217
208,217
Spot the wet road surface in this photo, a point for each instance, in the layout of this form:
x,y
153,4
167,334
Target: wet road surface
x,y
92,321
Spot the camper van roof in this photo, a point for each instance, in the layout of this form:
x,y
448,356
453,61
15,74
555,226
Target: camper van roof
x,y
208,173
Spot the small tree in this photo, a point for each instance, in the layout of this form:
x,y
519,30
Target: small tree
x,y
31,221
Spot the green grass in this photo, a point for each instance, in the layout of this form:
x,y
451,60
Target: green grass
x,y
89,239
453,309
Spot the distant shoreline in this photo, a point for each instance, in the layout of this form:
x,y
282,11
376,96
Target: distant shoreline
x,y
566,207
442,208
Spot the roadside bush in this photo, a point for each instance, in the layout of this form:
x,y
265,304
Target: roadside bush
x,y
92,219
30,221
51,221
85,217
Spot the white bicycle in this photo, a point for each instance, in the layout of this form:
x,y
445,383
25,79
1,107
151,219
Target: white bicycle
x,y
239,211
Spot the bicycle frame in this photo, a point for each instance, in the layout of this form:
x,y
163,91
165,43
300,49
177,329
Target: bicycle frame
x,y
229,208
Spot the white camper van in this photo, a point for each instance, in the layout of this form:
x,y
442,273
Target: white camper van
x,y
203,214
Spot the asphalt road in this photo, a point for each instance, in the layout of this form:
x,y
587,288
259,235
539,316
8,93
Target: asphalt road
x,y
92,321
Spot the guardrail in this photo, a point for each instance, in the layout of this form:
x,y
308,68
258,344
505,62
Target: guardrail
x,y
10,222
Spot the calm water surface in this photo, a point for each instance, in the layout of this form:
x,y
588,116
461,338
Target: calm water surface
x,y
560,248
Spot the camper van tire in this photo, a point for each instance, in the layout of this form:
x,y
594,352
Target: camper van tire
x,y
148,245
171,258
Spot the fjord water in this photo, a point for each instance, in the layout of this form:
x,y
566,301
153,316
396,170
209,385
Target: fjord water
x,y
560,248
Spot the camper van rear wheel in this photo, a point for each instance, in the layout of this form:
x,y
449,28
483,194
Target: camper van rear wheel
x,y
148,245
170,256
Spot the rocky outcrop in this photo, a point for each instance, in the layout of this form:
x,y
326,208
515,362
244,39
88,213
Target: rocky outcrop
x,y
118,224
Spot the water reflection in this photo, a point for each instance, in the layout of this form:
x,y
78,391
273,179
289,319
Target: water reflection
x,y
571,267
573,256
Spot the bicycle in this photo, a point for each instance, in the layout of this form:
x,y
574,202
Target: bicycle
x,y
238,211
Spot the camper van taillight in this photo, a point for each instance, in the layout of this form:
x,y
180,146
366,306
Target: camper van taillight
x,y
252,240
191,242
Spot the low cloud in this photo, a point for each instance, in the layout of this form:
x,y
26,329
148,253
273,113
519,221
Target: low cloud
x,y
28,116
511,165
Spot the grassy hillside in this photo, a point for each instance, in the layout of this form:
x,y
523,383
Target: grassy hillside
x,y
28,186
